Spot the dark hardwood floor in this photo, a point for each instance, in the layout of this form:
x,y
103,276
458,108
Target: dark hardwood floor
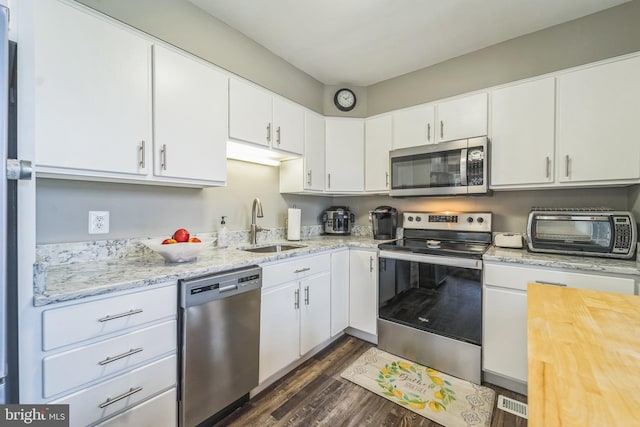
x,y
314,394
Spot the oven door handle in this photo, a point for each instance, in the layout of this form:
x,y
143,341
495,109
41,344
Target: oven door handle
x,y
475,264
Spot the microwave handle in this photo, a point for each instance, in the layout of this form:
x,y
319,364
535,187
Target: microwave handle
x,y
463,167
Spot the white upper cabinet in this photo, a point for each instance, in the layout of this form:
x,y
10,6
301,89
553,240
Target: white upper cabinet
x,y
599,123
190,118
258,117
250,113
462,118
522,133
344,145
93,92
314,152
378,135
414,126
288,126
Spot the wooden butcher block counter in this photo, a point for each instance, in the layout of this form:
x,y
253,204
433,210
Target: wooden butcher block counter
x,y
584,357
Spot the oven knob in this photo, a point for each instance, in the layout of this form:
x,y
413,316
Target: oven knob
x,y
469,220
418,218
480,220
410,218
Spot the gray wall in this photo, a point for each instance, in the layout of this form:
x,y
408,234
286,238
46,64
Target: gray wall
x,y
605,34
139,210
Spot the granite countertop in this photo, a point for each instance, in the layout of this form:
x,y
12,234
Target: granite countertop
x,y
569,262
65,282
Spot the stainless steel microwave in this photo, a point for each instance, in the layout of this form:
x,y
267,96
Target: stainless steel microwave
x,y
448,168
591,231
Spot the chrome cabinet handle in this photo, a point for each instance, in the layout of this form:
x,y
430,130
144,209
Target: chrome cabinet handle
x,y
386,179
301,270
306,295
428,131
163,157
124,395
441,129
296,299
110,359
329,180
543,282
309,177
141,153
371,264
117,316
567,160
548,164
278,135
269,132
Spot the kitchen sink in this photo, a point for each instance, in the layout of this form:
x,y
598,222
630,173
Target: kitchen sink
x,y
272,248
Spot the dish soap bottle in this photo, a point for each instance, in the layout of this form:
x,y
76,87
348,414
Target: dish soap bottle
x,y
223,240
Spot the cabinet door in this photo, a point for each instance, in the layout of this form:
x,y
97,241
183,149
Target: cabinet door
x,y
414,126
504,342
339,291
288,126
345,155
598,123
190,118
462,118
315,312
250,111
158,411
314,152
94,92
363,290
377,145
522,133
279,328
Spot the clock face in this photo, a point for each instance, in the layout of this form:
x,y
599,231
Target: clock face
x,y
345,100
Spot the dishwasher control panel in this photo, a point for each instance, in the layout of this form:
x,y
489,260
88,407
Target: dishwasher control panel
x,y
219,285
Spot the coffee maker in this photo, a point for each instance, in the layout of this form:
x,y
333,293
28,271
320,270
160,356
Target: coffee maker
x,y
384,220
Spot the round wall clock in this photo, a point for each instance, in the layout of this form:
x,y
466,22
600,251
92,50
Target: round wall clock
x,y
345,99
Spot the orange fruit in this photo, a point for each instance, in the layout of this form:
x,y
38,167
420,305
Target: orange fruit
x,y
414,405
433,405
397,393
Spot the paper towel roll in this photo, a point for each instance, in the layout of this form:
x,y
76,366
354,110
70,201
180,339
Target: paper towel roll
x,y
293,224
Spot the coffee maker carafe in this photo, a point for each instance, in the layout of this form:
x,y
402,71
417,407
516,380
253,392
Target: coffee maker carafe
x,y
384,220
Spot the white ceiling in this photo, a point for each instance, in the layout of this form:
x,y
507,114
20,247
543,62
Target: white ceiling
x,y
361,42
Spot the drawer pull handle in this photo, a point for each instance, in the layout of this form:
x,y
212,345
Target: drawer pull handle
x,y
117,316
110,359
302,270
124,395
542,282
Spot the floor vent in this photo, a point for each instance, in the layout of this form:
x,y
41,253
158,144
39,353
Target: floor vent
x,y
513,406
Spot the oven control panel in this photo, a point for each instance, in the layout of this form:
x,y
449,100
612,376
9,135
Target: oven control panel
x,y
458,221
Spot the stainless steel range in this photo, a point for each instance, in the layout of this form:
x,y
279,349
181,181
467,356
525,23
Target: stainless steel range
x,y
430,291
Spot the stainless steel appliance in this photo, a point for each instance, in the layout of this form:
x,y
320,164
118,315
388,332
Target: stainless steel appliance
x,y
338,220
11,170
599,232
430,291
384,221
219,343
448,168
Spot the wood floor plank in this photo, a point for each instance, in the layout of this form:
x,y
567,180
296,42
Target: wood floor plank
x,y
315,394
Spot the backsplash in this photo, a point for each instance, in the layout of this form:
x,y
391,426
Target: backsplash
x,y
101,250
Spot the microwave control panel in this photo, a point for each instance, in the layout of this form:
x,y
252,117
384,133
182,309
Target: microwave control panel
x,y
475,166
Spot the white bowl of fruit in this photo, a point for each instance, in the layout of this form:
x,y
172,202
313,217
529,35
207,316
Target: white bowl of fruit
x,y
180,247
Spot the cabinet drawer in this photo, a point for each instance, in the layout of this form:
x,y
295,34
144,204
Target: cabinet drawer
x,y
73,368
159,411
74,323
105,399
513,277
293,270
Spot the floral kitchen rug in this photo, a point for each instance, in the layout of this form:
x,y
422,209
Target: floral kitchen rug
x,y
444,399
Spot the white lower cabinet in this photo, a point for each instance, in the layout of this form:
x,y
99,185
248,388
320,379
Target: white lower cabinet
x,y
339,291
105,356
504,339
295,311
159,411
363,290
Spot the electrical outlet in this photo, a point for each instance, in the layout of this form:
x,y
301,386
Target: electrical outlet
x,y
98,222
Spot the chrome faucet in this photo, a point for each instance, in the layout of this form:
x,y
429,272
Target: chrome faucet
x,y
256,211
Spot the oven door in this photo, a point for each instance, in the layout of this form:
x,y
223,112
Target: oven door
x,y
430,311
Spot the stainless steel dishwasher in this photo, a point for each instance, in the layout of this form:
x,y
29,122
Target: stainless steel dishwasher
x,y
219,342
